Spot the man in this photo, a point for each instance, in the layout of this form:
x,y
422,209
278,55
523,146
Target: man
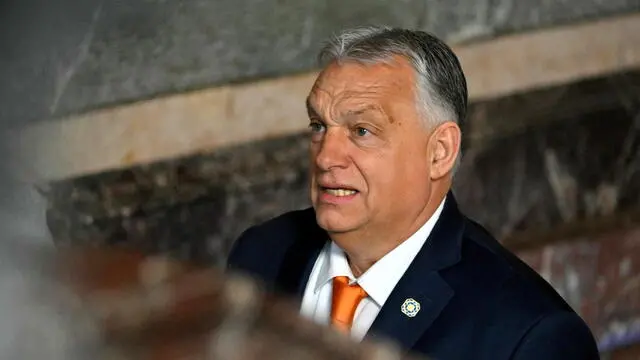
x,y
384,251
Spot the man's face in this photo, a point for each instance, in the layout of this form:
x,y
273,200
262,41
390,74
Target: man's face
x,y
369,163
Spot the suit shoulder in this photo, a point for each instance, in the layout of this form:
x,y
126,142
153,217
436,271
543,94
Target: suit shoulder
x,y
519,292
281,229
561,335
495,288
290,221
264,244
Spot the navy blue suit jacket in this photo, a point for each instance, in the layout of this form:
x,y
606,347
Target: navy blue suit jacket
x,y
478,301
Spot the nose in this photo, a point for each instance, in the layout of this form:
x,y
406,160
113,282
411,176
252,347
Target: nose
x,y
331,152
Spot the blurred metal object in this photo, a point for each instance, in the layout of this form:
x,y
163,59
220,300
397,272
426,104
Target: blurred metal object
x,y
115,304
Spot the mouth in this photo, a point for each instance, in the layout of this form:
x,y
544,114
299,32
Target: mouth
x,y
338,191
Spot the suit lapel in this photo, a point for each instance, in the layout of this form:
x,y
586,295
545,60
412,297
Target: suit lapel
x,y
422,284
393,324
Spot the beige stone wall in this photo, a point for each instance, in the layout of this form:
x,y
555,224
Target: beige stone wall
x,y
200,121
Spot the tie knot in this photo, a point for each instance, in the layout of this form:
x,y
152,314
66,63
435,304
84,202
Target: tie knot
x,y
342,280
345,302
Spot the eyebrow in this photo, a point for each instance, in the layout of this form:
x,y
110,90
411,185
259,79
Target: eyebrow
x,y
365,109
310,108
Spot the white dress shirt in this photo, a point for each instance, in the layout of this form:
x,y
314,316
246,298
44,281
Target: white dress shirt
x,y
378,281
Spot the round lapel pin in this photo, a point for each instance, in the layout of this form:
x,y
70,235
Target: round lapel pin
x,y
410,307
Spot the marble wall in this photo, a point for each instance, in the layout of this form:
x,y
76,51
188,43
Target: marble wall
x,y
565,159
85,54
192,208
560,158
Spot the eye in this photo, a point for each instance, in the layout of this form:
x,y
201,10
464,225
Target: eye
x,y
316,127
360,131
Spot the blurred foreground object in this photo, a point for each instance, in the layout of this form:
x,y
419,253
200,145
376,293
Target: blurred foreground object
x,y
112,304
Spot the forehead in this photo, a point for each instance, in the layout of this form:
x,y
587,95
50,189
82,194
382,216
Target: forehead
x,y
350,80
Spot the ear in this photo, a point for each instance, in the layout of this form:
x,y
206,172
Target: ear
x,y
445,146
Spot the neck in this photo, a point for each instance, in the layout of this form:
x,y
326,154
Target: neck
x,y
365,246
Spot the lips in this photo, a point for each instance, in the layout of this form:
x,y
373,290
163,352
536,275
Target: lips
x,y
338,190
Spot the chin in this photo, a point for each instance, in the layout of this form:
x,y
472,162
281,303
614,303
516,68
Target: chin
x,y
333,221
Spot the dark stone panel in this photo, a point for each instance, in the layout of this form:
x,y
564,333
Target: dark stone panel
x,y
189,208
65,56
568,155
491,120
569,169
564,172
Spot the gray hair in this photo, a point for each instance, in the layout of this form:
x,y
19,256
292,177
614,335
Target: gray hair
x,y
441,87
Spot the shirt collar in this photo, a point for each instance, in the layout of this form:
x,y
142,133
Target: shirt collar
x,y
335,264
380,279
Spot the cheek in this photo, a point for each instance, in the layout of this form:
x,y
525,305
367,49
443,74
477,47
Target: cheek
x,y
380,175
312,153
413,160
398,177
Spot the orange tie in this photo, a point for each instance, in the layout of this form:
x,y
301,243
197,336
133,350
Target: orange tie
x,y
345,301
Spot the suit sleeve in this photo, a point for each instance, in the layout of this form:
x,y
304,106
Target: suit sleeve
x,y
558,336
